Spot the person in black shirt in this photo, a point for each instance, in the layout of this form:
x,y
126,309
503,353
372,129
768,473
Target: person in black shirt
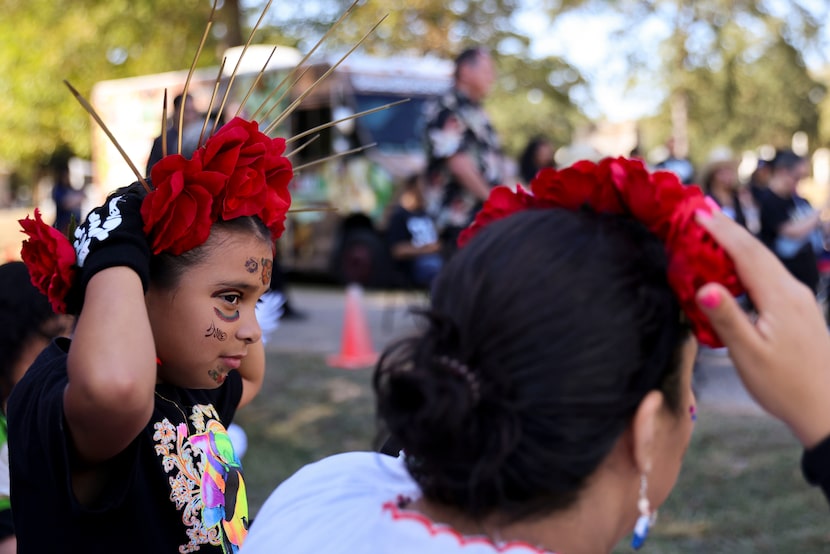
x,y
790,226
191,116
412,237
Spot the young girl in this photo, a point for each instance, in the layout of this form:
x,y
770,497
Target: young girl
x,y
547,405
118,437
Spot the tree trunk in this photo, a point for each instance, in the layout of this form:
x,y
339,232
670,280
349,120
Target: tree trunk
x,y
233,19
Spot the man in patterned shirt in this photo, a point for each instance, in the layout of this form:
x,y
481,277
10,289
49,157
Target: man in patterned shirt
x,y
464,157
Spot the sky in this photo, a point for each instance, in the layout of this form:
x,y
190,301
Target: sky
x,y
583,39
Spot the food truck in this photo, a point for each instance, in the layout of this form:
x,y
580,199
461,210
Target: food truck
x,y
340,204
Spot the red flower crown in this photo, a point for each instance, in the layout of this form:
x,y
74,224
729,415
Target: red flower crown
x,y
657,200
239,171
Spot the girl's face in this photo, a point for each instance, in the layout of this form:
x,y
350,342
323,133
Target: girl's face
x,y
204,325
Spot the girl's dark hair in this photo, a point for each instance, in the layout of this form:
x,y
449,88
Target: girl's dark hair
x,y
24,312
545,333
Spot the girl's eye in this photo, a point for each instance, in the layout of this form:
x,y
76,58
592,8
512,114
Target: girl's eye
x,y
231,298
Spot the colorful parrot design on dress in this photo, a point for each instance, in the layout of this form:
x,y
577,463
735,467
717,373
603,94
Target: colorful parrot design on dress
x,y
224,496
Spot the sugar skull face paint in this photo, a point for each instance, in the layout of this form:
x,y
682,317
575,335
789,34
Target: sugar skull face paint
x,y
267,267
228,318
205,326
693,412
217,376
251,265
216,332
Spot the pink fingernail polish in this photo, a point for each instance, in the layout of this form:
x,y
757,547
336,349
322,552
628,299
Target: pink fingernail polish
x,y
710,299
711,203
702,215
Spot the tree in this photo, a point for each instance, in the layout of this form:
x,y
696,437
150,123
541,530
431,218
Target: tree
x,y
43,42
733,71
532,96
533,99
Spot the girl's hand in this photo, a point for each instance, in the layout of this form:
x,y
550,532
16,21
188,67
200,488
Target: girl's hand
x,y
783,358
112,235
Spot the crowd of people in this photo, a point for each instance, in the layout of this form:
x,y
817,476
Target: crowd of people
x,y
770,206
546,405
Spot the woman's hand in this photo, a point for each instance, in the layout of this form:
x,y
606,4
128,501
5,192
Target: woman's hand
x,y
783,358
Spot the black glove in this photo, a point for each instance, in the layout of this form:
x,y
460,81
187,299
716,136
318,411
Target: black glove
x,y
111,235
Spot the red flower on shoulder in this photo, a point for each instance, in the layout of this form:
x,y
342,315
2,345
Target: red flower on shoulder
x,y
50,258
177,213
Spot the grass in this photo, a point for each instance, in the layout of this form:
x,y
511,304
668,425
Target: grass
x,y
740,490
306,411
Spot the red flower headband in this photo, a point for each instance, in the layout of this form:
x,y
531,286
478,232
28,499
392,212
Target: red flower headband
x,y
657,200
238,172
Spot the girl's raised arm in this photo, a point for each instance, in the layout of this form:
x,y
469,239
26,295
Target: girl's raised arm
x,y
112,361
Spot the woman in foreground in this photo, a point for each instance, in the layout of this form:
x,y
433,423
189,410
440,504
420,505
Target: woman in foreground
x,y
547,406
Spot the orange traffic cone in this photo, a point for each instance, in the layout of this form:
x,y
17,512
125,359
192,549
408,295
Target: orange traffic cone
x,y
356,349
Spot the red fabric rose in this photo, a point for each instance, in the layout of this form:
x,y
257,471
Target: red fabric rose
x,y
50,258
239,172
258,173
658,200
501,203
694,260
177,213
573,188
278,175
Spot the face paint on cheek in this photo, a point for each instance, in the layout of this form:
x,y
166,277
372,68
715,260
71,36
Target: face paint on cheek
x,y
693,412
216,375
216,332
267,268
226,318
251,265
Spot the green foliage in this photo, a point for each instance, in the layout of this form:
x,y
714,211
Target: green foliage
x,y
739,65
84,41
532,98
415,27
745,104
43,42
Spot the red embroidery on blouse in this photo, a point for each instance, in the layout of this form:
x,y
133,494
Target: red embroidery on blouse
x,y
435,529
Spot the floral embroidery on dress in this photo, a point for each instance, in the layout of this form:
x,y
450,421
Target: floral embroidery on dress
x,y
206,484
399,513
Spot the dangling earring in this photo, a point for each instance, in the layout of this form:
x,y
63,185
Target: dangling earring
x,y
646,519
